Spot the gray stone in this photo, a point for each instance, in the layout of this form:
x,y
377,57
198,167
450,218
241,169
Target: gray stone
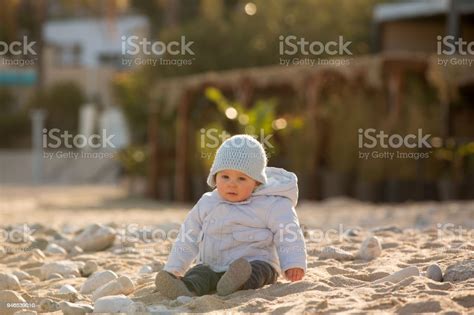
x,y
48,305
434,273
89,268
370,248
459,271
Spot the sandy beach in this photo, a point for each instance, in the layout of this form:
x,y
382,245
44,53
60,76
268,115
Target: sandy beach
x,y
124,236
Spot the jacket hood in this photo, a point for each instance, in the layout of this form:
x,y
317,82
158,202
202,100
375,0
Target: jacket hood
x,y
279,183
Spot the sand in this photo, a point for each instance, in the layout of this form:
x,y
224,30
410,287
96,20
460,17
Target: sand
x,y
411,234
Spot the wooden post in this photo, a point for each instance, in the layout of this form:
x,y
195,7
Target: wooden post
x,y
182,142
153,147
315,133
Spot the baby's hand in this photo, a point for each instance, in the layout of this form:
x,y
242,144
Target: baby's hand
x,y
294,274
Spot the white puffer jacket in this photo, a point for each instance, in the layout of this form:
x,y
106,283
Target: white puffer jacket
x,y
264,227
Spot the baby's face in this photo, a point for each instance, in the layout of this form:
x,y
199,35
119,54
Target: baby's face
x,y
234,186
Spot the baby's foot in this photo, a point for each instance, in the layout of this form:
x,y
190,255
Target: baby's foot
x,y
170,286
238,273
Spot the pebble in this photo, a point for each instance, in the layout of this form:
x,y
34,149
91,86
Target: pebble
x,y
89,268
48,305
11,296
40,243
146,269
37,255
55,249
55,276
75,250
75,308
382,229
400,275
435,273
63,267
97,280
67,288
370,248
9,282
25,312
112,304
184,299
95,237
460,271
21,275
122,285
331,252
136,308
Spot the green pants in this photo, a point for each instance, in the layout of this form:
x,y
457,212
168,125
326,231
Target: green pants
x,y
202,280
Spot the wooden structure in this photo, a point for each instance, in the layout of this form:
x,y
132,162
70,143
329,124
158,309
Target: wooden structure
x,y
380,71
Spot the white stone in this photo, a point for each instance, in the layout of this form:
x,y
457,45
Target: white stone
x,y
55,276
146,269
136,308
112,304
184,299
62,267
67,288
122,285
9,282
21,275
400,275
11,296
331,252
370,248
157,308
95,237
25,312
75,308
97,280
55,249
89,268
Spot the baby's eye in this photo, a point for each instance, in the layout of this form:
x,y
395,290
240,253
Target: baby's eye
x,y
242,178
224,176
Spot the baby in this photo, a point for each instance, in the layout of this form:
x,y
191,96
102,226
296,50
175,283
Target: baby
x,y
244,234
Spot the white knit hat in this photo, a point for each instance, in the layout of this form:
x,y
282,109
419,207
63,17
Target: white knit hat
x,y
241,153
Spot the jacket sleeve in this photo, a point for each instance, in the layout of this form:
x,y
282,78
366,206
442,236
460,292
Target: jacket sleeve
x,y
288,237
185,248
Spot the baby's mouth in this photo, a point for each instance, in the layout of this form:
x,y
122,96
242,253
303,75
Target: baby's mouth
x,y
232,193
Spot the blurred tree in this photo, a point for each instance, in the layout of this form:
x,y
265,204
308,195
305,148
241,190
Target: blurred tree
x,y
225,36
